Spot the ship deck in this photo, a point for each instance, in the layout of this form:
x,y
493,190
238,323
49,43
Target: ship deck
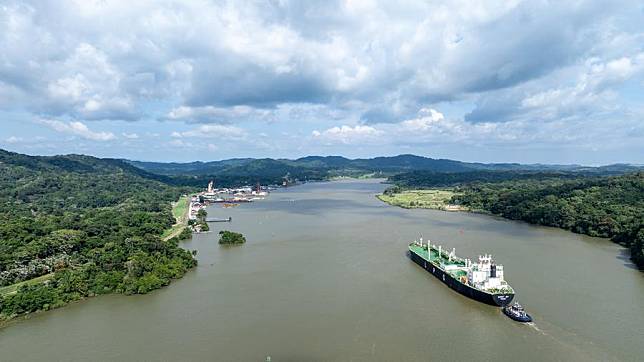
x,y
433,257
441,261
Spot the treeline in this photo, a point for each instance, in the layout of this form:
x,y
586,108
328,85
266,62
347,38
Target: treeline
x,y
604,206
428,179
611,207
89,226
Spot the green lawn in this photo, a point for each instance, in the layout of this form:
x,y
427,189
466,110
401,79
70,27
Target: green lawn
x,y
180,208
180,213
424,199
11,289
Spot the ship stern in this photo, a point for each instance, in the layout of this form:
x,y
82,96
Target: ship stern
x,y
503,299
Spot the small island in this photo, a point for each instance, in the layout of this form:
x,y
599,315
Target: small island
x,y
231,238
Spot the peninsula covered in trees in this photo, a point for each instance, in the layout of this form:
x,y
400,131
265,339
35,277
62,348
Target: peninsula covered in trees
x,y
77,226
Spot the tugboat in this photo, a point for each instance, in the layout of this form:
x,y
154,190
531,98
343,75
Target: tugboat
x,y
517,313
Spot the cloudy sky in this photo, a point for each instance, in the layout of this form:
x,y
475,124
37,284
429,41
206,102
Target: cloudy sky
x,y
502,81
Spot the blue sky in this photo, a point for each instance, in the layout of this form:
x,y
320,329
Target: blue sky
x,y
488,81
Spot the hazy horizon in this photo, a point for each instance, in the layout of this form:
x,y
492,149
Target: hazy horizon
x,y
502,82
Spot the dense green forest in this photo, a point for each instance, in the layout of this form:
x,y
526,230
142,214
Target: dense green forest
x,y
428,179
611,207
604,206
84,226
230,237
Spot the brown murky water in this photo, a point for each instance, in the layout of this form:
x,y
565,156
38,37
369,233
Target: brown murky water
x,y
324,277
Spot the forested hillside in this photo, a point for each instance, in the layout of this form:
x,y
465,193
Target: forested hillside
x,y
424,179
82,226
583,201
611,207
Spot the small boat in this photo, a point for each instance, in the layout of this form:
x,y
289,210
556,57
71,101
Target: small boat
x,y
517,313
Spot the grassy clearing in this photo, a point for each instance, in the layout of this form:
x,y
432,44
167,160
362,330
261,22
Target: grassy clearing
x,y
180,213
423,199
173,231
13,288
180,208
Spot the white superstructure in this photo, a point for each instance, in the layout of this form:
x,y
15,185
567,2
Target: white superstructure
x,y
485,274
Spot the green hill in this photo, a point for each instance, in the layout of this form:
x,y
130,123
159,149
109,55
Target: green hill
x,y
80,226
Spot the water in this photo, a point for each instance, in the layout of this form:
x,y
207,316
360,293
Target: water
x,y
324,277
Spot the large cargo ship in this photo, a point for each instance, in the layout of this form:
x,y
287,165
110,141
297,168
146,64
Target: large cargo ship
x,y
482,281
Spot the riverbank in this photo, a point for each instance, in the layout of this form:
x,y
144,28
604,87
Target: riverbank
x,y
357,176
147,270
617,219
436,199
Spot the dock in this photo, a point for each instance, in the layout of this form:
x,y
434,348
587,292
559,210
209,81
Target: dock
x,y
216,219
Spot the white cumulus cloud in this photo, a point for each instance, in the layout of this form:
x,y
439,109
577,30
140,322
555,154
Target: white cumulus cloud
x,y
213,131
427,118
348,134
78,129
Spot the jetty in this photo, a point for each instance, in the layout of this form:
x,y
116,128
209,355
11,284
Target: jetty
x,y
216,219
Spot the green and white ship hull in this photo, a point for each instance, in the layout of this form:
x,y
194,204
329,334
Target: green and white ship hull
x,y
482,281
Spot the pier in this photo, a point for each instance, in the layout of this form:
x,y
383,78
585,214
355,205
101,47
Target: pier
x,y
216,219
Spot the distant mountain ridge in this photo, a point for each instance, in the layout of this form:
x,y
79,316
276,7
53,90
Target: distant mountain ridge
x,y
267,170
341,165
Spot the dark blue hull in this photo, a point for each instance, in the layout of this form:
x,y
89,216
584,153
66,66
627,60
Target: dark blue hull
x,y
519,318
497,300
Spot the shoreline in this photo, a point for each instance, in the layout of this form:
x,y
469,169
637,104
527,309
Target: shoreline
x,y
391,202
175,230
432,199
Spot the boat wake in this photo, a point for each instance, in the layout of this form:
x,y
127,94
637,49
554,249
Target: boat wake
x,y
533,325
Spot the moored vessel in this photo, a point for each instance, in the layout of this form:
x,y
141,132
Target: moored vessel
x,y
483,281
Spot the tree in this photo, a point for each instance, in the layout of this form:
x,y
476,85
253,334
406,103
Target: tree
x,y
201,214
230,237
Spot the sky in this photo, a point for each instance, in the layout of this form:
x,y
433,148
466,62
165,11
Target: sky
x,y
486,81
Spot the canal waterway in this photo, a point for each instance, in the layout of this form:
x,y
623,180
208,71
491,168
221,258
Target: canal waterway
x,y
324,277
